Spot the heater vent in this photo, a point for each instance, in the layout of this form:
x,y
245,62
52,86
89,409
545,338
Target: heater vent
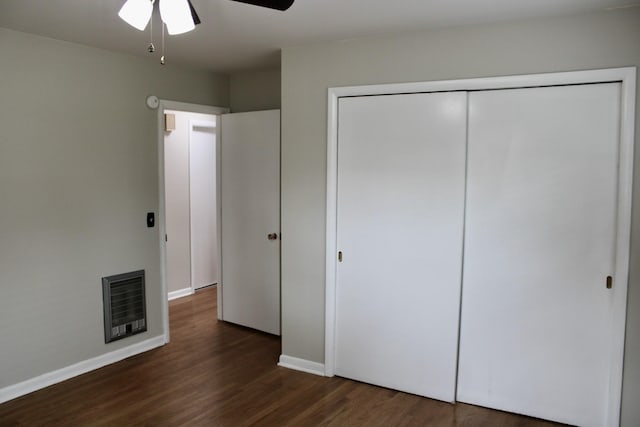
x,y
124,305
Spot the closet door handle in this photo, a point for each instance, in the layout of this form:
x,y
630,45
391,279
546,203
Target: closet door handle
x,y
272,236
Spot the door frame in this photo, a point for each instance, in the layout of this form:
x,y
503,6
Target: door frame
x,y
166,104
626,76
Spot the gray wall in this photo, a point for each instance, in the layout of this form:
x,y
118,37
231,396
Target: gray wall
x,y
78,172
598,40
255,90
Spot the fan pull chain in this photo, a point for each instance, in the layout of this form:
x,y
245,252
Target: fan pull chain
x,y
164,26
151,48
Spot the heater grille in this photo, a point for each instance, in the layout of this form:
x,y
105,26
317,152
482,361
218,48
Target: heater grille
x,y
124,305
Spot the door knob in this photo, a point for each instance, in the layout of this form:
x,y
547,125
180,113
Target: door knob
x,y
272,236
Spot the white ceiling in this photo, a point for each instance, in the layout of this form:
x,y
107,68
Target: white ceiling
x,y
235,36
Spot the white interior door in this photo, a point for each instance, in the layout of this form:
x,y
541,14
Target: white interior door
x,y
250,204
536,320
401,170
202,196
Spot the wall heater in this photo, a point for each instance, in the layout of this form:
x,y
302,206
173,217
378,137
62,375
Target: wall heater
x,y
124,303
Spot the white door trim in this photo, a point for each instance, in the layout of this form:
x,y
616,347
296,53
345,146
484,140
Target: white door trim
x,y
627,77
161,222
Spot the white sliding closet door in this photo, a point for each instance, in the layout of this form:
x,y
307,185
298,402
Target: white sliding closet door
x,y
536,321
401,167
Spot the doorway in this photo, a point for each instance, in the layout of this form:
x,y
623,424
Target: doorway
x,y
190,141
166,106
246,183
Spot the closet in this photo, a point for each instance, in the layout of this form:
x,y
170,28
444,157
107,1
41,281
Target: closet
x,y
481,244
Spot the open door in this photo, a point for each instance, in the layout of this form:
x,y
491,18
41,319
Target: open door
x,y
250,218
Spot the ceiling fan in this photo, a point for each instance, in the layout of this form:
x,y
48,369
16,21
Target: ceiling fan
x,y
179,15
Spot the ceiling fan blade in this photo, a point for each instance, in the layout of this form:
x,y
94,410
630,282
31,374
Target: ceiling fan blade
x,y
194,14
271,4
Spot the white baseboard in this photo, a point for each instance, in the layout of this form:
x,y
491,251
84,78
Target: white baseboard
x,y
54,377
302,365
180,293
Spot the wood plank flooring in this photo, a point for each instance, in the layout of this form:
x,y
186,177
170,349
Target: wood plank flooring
x,y
218,374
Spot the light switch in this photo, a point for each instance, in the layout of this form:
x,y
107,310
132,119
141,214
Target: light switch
x,y
151,219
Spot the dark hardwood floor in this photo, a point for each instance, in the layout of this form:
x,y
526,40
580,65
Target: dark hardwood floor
x,y
217,374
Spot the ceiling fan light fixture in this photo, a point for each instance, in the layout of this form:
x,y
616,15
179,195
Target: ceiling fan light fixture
x,y
176,14
136,13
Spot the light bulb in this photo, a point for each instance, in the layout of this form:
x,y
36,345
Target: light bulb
x,y
136,13
177,15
